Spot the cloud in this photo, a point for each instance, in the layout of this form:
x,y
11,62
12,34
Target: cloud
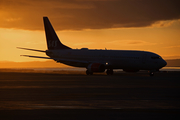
x,y
175,46
130,42
165,23
87,14
171,56
84,43
12,19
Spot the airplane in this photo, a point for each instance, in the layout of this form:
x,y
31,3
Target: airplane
x,y
97,60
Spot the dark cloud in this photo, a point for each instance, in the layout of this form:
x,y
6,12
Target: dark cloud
x,y
86,14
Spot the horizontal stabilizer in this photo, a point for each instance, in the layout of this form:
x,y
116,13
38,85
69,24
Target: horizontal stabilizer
x,y
31,49
36,56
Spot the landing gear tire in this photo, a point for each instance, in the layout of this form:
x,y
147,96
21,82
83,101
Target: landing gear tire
x,y
88,72
151,73
109,72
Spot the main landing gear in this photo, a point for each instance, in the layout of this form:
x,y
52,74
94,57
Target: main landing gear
x,y
151,73
109,72
89,72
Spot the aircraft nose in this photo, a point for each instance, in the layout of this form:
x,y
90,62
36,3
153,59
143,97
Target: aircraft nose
x,y
164,63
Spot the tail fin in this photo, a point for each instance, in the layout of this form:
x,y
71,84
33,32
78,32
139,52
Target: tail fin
x,y
53,42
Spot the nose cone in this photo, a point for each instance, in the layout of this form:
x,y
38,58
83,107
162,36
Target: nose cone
x,y
164,63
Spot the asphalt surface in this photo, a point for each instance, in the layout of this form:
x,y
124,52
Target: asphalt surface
x,y
70,95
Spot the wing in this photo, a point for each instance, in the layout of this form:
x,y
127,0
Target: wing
x,y
66,61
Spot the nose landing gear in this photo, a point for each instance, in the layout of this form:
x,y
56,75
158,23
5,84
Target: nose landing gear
x,y
151,73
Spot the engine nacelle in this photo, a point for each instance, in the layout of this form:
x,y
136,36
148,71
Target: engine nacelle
x,y
130,70
96,67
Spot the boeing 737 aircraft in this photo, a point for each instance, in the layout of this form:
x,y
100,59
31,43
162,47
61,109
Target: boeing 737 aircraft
x,y
98,60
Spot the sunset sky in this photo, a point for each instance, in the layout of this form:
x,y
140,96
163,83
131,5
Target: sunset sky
x,y
148,25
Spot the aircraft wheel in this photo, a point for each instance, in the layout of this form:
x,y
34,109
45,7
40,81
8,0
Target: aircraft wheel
x,y
151,73
88,72
109,72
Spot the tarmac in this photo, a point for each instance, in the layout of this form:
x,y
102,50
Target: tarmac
x,y
54,95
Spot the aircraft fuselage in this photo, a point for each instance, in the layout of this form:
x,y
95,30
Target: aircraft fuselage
x,y
115,59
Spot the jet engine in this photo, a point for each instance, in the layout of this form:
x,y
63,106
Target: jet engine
x,y
96,67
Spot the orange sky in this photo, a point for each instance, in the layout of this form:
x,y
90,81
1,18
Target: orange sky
x,y
95,24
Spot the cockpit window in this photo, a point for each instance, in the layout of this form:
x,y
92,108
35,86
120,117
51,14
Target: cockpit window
x,y
156,57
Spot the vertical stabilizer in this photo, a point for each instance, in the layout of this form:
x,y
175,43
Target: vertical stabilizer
x,y
53,42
